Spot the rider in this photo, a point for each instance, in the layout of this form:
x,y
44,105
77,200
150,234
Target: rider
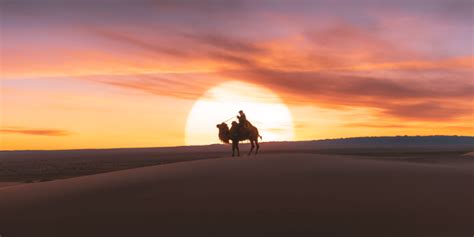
x,y
242,119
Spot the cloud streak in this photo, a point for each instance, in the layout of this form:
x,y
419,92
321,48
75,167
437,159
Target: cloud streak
x,y
383,76
36,132
390,59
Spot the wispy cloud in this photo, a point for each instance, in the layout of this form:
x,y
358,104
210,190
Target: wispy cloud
x,y
376,74
376,125
178,85
36,132
378,59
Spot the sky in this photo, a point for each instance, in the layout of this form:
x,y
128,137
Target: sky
x,y
97,74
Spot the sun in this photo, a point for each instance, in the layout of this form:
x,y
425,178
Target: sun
x,y
264,109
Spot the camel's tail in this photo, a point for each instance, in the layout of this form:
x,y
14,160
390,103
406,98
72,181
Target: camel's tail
x,y
260,137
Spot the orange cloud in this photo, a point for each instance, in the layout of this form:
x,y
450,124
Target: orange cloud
x,y
458,63
36,132
423,89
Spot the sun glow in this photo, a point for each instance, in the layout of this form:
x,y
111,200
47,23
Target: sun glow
x,y
264,109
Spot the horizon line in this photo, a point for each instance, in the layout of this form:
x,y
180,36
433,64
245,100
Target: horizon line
x,y
214,144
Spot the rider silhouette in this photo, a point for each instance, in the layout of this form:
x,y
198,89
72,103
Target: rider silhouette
x,y
242,119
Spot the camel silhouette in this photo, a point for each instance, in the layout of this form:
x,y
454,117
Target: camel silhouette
x,y
237,134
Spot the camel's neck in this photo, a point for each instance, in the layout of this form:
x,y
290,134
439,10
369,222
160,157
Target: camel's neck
x,y
224,135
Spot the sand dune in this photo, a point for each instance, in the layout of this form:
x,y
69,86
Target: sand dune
x,y
469,153
268,195
6,184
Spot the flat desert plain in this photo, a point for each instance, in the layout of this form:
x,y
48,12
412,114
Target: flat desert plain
x,y
273,194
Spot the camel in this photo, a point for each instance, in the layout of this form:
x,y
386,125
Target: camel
x,y
245,133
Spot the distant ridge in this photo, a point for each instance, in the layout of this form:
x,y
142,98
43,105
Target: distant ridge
x,y
436,141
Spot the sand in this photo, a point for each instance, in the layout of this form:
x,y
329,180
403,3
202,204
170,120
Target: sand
x,y
267,195
6,184
44,166
469,153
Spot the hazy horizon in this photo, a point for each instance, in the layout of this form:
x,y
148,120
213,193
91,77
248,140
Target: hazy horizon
x,y
246,142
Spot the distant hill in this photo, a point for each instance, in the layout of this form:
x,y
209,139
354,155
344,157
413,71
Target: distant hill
x,y
384,142
426,142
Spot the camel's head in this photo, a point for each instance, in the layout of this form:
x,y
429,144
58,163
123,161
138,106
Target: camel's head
x,y
222,126
224,134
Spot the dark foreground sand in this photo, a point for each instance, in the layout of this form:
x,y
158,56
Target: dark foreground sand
x,y
267,195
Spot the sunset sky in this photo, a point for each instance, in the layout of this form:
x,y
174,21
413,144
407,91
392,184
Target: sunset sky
x,y
96,74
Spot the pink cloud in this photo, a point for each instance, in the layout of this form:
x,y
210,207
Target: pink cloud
x,y
36,132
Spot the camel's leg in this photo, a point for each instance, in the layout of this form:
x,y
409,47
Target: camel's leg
x,y
233,149
237,147
258,146
251,148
